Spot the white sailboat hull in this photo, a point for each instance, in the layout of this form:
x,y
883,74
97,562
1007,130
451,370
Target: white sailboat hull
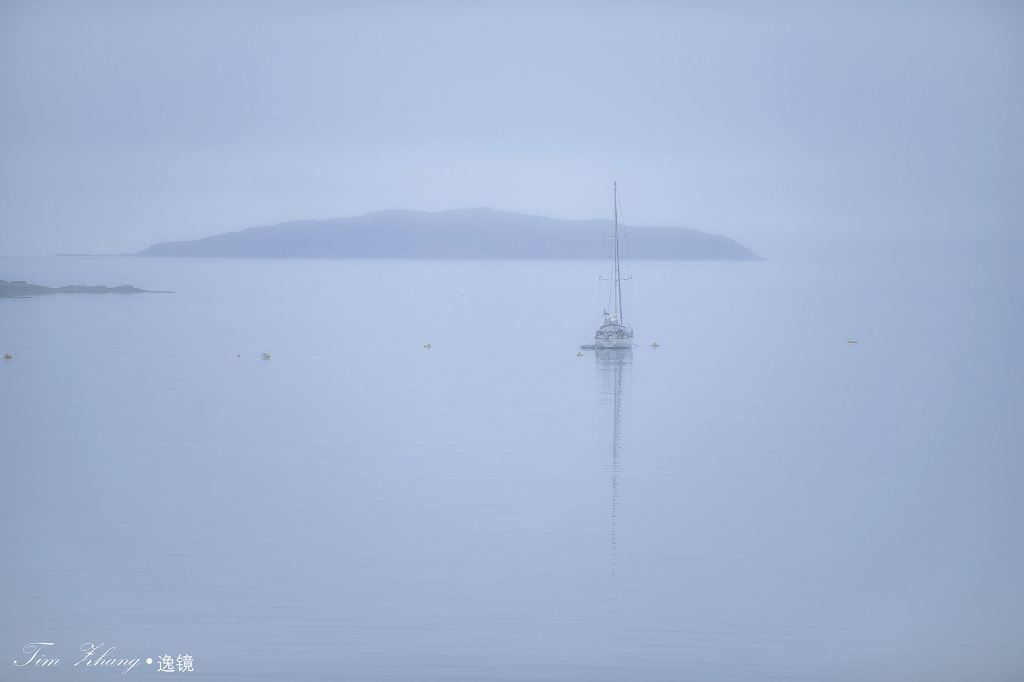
x,y
612,334
613,343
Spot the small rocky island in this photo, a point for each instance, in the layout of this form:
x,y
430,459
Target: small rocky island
x,y
22,289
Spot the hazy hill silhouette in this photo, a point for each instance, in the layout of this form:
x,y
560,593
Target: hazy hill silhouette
x,y
459,233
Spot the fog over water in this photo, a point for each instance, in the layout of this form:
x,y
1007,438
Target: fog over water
x,y
807,468
755,499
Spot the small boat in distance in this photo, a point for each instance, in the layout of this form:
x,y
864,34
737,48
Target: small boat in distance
x,y
613,332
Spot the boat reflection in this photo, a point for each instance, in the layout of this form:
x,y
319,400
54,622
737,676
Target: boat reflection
x,y
613,365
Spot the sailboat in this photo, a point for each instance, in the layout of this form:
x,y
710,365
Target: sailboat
x,y
613,332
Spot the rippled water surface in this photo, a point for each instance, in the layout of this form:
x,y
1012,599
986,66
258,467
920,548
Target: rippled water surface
x,y
755,499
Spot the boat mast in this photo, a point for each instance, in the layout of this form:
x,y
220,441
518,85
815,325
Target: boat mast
x,y
618,278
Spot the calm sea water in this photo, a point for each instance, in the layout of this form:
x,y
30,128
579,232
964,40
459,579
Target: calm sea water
x,y
756,499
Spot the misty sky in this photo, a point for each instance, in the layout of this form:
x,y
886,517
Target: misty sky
x,y
779,124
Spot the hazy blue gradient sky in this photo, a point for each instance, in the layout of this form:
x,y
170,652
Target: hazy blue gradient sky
x,y
788,126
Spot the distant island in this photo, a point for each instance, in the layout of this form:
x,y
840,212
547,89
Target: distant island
x,y
22,289
477,233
